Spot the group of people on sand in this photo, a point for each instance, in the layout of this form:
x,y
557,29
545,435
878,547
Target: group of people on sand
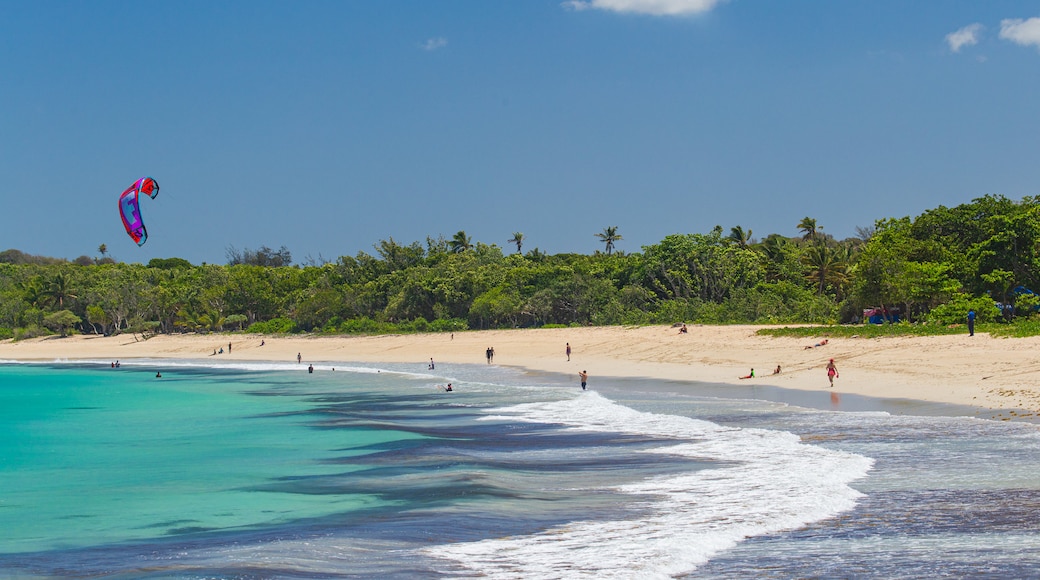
x,y
221,351
832,372
751,375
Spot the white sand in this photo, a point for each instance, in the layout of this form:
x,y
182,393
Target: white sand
x,y
979,371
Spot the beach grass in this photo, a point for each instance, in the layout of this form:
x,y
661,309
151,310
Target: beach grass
x,y
1018,329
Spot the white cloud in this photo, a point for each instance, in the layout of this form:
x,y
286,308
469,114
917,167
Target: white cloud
x,y
434,43
967,36
653,7
1024,32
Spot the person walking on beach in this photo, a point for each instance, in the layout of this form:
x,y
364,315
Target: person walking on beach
x,y
487,354
832,372
971,322
568,352
584,376
299,358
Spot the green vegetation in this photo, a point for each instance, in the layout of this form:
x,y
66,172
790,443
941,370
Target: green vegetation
x,y
925,272
871,330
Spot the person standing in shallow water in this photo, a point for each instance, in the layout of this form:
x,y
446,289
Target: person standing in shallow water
x,y
584,376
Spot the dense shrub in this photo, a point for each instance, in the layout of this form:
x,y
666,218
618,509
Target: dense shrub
x,y
956,310
273,326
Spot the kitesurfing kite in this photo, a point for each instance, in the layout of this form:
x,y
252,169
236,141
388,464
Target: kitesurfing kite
x,y
130,207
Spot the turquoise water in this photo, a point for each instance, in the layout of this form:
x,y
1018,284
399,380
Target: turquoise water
x,y
247,471
98,455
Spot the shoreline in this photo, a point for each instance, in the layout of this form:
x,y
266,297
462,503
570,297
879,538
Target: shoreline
x,y
998,377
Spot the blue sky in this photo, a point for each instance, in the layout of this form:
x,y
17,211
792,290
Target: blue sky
x,y
326,126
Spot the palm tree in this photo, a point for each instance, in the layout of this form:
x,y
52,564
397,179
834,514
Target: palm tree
x,y
34,293
60,288
187,318
738,236
213,320
518,239
776,250
809,228
460,242
609,236
828,266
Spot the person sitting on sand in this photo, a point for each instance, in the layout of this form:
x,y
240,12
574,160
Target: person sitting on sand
x,y
683,329
832,372
776,371
750,375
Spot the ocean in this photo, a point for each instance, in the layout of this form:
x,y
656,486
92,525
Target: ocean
x,y
251,471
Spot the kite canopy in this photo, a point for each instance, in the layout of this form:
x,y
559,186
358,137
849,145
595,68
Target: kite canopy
x,y
130,207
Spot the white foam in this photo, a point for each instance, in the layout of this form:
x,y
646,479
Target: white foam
x,y
775,482
238,365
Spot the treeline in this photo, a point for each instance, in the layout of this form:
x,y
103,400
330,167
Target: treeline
x,y
930,269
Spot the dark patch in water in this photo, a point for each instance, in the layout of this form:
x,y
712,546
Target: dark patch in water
x,y
972,515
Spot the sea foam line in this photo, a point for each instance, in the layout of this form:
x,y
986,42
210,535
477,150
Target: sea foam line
x,y
168,363
771,482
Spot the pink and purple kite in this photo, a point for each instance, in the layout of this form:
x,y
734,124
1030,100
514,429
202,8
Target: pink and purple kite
x,y
130,208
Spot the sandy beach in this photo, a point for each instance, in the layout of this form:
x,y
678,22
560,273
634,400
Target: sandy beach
x,y
992,374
